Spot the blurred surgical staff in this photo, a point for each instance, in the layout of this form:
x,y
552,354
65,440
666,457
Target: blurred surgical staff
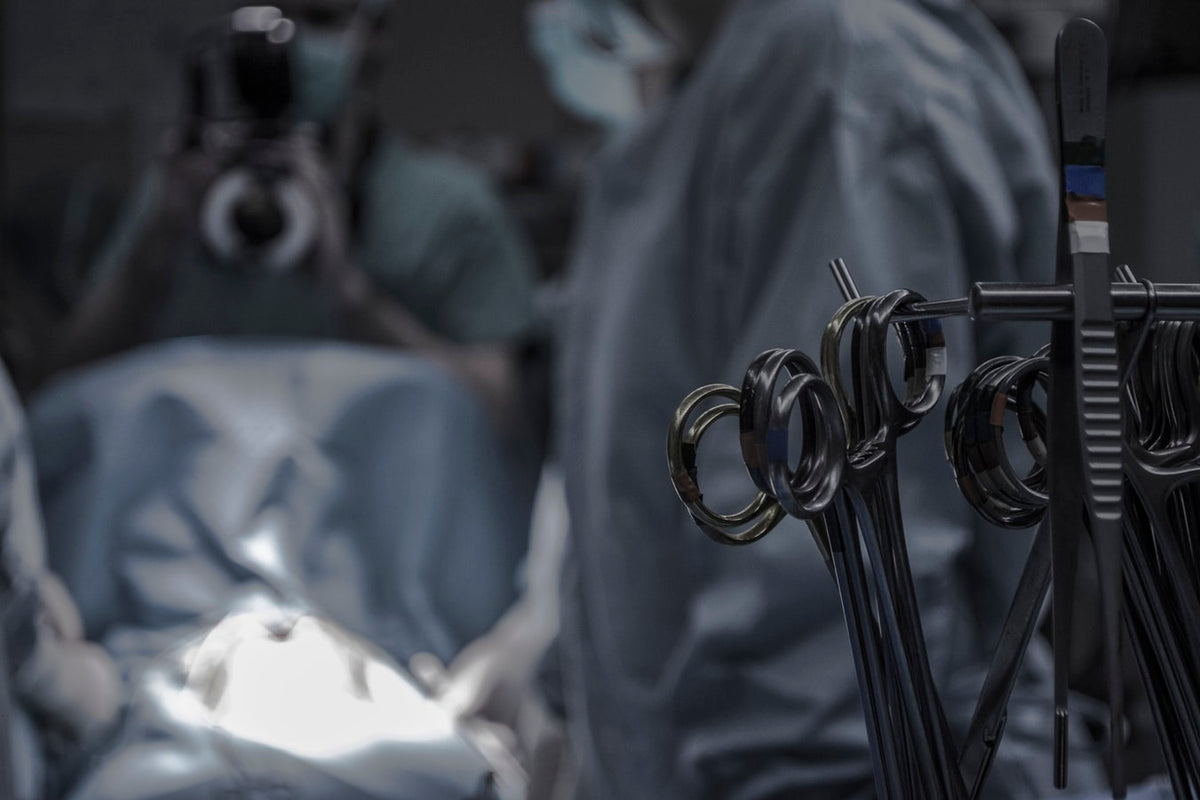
x,y
749,143
411,250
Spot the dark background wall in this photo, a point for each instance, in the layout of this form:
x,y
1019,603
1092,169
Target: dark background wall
x,y
91,85
455,64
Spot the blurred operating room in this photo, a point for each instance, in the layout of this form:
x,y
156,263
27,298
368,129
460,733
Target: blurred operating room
x,y
340,340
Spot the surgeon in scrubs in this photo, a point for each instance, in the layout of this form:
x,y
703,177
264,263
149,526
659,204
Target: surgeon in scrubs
x,y
412,250
749,143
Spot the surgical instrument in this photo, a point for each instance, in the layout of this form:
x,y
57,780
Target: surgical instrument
x,y
1114,450
1084,379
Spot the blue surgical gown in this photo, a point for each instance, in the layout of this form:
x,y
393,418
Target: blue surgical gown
x,y
901,137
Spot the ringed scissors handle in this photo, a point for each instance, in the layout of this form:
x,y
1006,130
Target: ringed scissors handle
x,y
753,521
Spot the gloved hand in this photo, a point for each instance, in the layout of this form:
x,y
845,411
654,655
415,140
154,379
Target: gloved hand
x,y
71,681
491,685
487,689
492,676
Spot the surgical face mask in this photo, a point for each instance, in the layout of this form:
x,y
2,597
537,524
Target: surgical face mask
x,y
597,66
324,66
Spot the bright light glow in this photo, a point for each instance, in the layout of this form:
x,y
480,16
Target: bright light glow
x,y
183,707
314,691
260,545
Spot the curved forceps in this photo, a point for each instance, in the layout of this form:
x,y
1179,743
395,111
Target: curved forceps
x,y
1162,465
976,449
812,492
760,445
753,404
758,517
975,445
875,418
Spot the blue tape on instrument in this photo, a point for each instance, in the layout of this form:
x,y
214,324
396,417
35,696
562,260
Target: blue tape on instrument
x,y
1085,181
931,326
777,445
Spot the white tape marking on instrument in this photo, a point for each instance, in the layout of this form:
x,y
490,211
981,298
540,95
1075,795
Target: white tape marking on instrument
x,y
935,361
1089,236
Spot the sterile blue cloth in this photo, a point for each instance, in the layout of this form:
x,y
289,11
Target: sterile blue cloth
x,y
901,137
364,482
204,495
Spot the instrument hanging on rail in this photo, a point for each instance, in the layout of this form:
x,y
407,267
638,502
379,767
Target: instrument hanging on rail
x,y
1114,450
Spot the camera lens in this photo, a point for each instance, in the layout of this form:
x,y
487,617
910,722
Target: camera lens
x,y
256,215
252,220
